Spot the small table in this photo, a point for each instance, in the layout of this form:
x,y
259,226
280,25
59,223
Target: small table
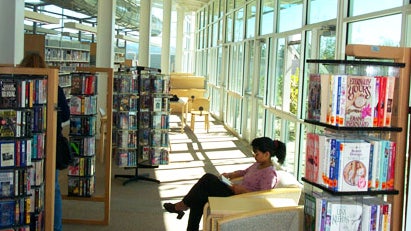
x,y
183,102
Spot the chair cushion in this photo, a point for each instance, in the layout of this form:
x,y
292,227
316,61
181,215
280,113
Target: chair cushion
x,y
287,180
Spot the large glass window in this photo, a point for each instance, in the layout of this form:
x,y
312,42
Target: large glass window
x,y
263,51
251,14
267,17
321,10
234,112
215,34
358,7
239,25
248,77
216,10
260,118
278,78
236,70
229,28
291,15
292,74
368,32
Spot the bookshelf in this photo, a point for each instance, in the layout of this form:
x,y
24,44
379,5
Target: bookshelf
x,y
153,122
39,212
65,54
395,132
105,75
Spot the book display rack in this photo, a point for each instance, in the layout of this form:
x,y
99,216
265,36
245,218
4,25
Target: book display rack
x,y
355,140
27,127
83,139
83,116
152,122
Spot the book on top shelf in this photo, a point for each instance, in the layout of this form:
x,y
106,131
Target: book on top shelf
x,y
314,97
8,93
389,100
359,101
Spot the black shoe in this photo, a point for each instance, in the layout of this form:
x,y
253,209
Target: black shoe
x,y
171,208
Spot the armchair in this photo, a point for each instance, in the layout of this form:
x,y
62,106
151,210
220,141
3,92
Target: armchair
x,y
287,187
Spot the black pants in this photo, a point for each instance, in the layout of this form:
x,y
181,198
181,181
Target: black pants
x,y
208,185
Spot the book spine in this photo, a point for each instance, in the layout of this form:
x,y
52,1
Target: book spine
x,y
381,101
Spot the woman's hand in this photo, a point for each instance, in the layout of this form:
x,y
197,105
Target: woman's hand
x,y
226,175
239,189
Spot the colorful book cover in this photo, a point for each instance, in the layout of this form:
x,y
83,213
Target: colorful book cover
x,y
332,101
342,87
8,93
6,184
322,159
354,165
325,96
314,97
386,148
381,100
389,100
333,163
311,157
8,123
309,212
391,165
360,93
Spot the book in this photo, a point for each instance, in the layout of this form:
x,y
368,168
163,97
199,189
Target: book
x,y
8,123
354,165
389,100
7,152
225,180
310,215
7,212
345,215
8,93
325,96
6,184
332,101
381,100
157,104
341,100
314,97
334,163
311,157
359,101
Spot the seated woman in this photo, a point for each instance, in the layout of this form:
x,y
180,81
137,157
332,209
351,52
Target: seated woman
x,y
259,176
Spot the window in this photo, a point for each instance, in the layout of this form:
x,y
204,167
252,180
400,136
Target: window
x,y
321,10
358,7
367,32
229,28
291,15
251,14
267,17
239,25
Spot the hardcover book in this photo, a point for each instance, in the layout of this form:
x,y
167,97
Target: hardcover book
x,y
7,152
325,97
345,215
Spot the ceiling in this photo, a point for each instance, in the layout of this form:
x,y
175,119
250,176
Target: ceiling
x,y
127,11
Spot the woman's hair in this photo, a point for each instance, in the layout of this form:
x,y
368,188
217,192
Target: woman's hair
x,y
33,60
274,147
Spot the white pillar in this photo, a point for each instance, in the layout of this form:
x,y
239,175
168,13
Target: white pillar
x,y
12,31
179,40
105,33
165,38
144,33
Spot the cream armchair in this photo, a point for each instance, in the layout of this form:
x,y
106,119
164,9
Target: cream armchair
x,y
284,218
286,194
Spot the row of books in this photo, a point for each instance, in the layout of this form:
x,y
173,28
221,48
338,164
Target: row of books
x,y
155,155
155,138
82,125
14,183
81,186
323,212
350,164
37,199
155,121
82,166
15,213
125,102
125,120
126,139
126,157
83,146
351,101
58,54
37,173
156,103
38,145
17,92
83,104
154,83
125,83
15,153
83,83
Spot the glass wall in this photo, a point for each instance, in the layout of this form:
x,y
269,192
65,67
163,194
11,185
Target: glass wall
x,y
262,51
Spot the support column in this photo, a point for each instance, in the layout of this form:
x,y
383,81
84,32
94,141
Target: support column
x,y
165,38
179,40
12,31
144,33
105,33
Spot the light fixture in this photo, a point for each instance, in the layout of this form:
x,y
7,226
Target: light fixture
x,y
38,17
80,27
128,38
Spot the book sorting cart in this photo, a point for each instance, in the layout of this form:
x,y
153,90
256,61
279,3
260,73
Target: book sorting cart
x,y
351,154
25,116
83,114
152,122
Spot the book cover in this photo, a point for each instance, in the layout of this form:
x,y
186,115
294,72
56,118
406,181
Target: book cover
x,y
334,163
325,97
391,165
7,212
332,101
310,215
354,165
386,150
311,157
359,100
157,104
77,84
389,100
323,153
8,93
6,184
345,215
7,152
314,97
342,88
381,100
8,123
375,101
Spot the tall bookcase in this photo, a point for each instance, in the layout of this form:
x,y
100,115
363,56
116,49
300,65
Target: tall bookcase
x,y
37,194
152,144
105,80
395,132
